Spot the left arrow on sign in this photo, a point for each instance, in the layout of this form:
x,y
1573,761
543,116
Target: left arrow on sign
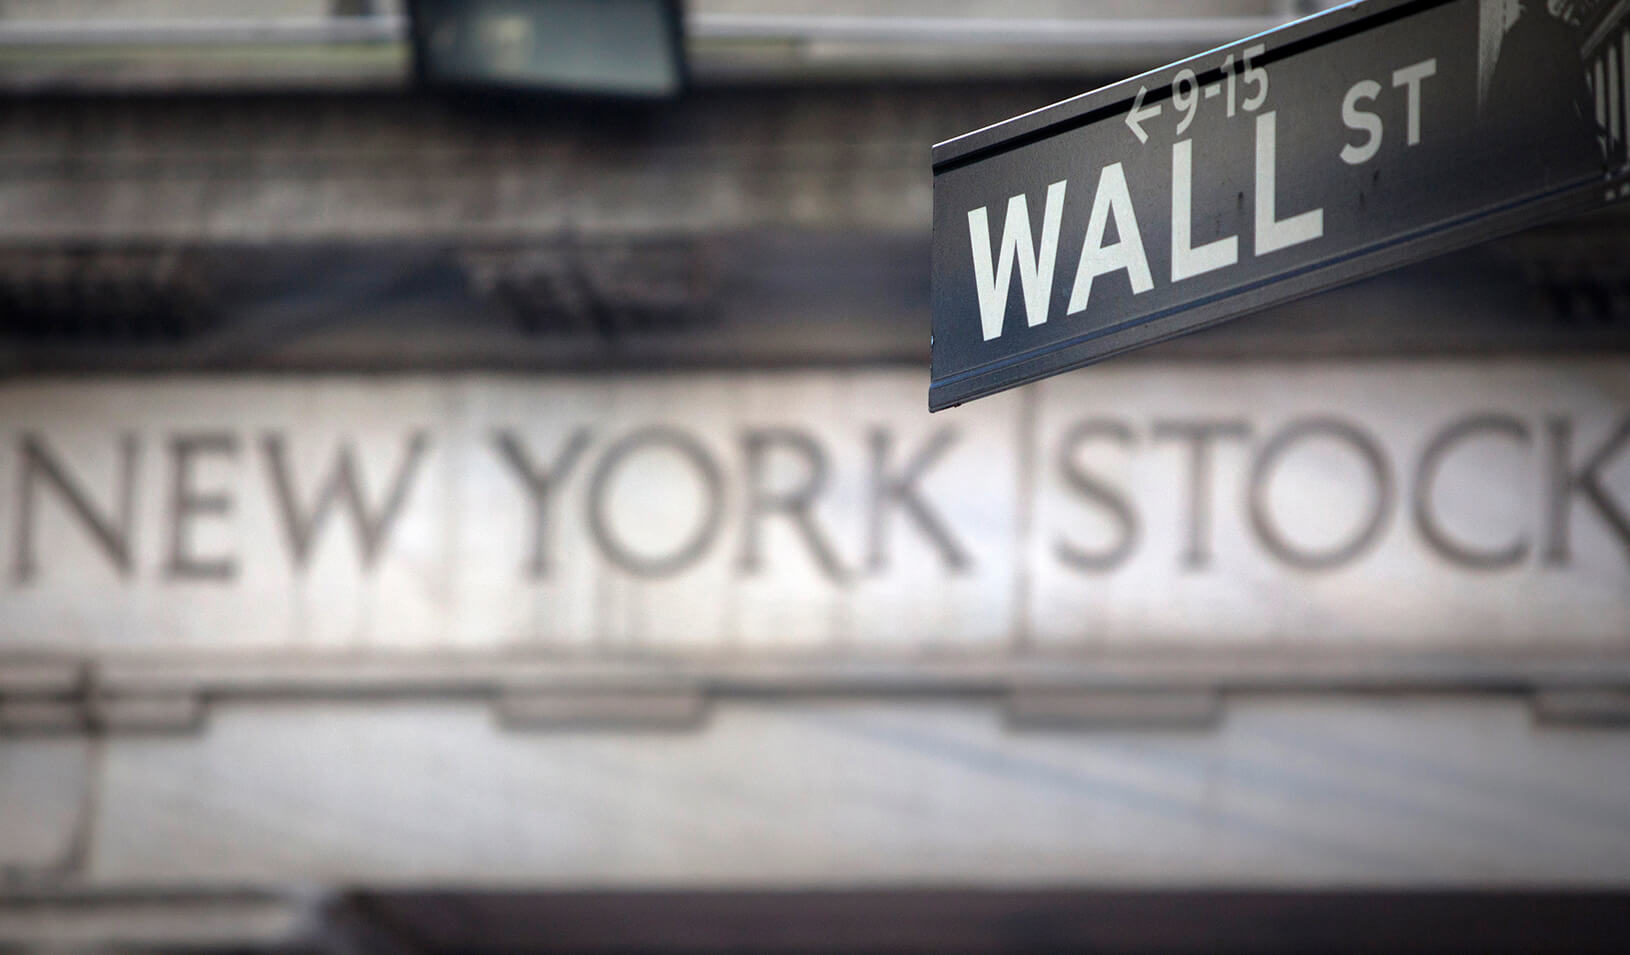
x,y
1139,113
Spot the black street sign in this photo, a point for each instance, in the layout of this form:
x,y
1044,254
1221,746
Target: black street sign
x,y
1378,133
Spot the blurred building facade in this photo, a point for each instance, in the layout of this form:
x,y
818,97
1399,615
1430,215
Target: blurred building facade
x,y
437,521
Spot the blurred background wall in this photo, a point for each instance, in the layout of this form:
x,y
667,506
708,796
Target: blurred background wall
x,y
441,514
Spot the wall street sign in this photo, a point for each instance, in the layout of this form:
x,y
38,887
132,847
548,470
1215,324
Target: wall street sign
x,y
1378,133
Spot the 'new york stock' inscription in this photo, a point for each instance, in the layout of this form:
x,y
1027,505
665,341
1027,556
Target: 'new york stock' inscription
x,y
1410,504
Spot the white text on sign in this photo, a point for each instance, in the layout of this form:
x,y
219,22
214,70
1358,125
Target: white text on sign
x,y
1112,202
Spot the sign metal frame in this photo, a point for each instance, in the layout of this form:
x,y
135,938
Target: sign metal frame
x,y
1114,102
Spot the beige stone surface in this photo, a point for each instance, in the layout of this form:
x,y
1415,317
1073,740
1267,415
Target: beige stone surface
x,y
45,799
825,514
1288,791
